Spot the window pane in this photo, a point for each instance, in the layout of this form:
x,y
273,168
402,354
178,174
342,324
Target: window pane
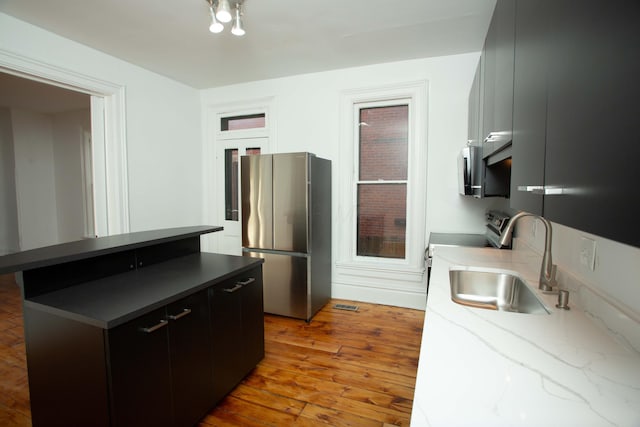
x,y
382,220
231,184
252,151
249,121
384,143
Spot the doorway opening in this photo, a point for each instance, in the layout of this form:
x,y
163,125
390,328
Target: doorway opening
x,y
55,157
236,132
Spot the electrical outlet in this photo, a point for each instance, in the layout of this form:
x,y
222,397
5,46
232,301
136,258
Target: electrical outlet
x,y
588,253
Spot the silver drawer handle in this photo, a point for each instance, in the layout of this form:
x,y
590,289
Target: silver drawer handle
x,y
240,284
179,315
153,328
235,288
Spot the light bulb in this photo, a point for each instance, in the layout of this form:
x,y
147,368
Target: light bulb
x,y
224,11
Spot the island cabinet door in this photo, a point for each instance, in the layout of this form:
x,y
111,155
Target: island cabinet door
x,y
227,337
191,365
140,372
252,320
237,324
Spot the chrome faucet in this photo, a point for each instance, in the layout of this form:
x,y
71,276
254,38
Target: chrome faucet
x,y
547,269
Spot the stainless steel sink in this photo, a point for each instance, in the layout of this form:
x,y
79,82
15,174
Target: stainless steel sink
x,y
493,290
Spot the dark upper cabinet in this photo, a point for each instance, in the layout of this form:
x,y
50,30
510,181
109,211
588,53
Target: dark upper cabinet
x,y
529,105
575,143
487,180
474,128
497,77
592,138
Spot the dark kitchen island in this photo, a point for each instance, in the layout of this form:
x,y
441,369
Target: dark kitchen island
x,y
137,329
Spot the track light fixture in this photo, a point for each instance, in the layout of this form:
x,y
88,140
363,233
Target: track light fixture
x,y
223,13
238,27
220,13
216,26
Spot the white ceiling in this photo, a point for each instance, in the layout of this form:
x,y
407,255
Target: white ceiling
x,y
284,37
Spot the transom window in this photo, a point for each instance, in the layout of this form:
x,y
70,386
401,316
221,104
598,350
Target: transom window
x,y
246,121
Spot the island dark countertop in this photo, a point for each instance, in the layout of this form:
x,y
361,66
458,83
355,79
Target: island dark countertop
x,y
114,300
90,248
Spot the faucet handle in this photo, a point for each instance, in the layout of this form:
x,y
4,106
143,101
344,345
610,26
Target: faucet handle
x,y
547,284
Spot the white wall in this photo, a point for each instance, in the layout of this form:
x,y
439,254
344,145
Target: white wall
x,y
162,124
35,179
308,119
68,137
44,177
9,241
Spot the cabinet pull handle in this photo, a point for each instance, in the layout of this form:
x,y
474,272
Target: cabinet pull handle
x,y
155,327
553,191
183,313
537,189
542,189
235,288
246,282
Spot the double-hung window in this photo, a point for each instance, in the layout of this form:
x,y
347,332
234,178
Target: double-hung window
x,y
382,196
381,184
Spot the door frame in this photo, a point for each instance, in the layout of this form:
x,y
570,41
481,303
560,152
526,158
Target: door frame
x,y
109,153
214,142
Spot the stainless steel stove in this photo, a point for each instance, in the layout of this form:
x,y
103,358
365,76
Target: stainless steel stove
x,y
496,221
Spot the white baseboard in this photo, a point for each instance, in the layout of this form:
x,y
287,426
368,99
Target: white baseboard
x,y
415,299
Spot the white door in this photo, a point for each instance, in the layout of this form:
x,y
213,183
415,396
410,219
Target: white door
x,y
228,174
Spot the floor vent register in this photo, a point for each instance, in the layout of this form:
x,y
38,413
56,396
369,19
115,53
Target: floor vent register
x,y
346,307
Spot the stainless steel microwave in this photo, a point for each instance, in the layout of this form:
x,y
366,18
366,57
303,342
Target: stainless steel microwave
x,y
470,171
478,179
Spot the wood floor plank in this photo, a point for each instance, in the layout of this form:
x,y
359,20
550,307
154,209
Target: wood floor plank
x,y
333,370
334,417
260,397
249,414
341,369
295,387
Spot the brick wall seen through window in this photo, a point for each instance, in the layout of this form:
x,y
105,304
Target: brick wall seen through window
x,y
382,181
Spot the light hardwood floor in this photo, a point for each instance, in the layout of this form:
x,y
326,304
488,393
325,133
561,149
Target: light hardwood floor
x,y
341,369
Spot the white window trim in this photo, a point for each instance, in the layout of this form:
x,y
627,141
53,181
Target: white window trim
x,y
383,273
355,181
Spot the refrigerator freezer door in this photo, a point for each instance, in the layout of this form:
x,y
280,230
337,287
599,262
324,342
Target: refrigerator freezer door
x,y
286,291
290,202
257,202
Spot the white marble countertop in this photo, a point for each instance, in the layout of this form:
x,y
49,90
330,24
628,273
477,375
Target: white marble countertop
x,y
481,367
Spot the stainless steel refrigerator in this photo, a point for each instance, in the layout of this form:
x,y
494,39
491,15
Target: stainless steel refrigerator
x,y
286,219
